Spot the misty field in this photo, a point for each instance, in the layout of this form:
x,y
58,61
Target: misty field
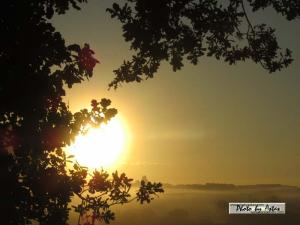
x,y
210,207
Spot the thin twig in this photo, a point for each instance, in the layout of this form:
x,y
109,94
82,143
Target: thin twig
x,y
252,29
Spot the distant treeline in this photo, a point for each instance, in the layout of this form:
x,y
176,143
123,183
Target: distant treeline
x,y
220,186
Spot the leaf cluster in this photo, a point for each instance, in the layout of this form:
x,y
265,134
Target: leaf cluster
x,y
103,191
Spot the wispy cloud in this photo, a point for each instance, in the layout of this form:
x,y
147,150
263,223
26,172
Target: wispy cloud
x,y
177,134
143,163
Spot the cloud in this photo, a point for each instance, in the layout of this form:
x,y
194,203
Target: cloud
x,y
177,134
143,163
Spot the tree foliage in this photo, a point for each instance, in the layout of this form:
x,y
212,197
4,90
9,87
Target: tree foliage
x,y
35,123
171,30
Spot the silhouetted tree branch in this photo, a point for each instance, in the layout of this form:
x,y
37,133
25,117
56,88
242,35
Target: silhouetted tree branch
x,y
170,30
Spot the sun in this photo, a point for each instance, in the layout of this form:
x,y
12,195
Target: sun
x,y
100,147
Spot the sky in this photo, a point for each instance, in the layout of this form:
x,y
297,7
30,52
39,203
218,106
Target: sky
x,y
207,123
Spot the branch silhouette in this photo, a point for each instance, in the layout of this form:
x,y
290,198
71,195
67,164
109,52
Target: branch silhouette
x,y
172,30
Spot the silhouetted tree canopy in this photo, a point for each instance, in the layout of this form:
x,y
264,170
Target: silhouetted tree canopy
x,y
35,123
37,66
171,30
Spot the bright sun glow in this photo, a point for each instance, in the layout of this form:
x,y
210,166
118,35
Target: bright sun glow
x,y
100,147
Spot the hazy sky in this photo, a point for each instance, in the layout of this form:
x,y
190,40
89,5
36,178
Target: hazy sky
x,y
206,123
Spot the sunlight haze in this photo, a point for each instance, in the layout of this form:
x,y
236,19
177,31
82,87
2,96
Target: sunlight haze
x,y
207,123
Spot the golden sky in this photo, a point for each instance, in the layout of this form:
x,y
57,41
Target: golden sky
x,y
206,123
